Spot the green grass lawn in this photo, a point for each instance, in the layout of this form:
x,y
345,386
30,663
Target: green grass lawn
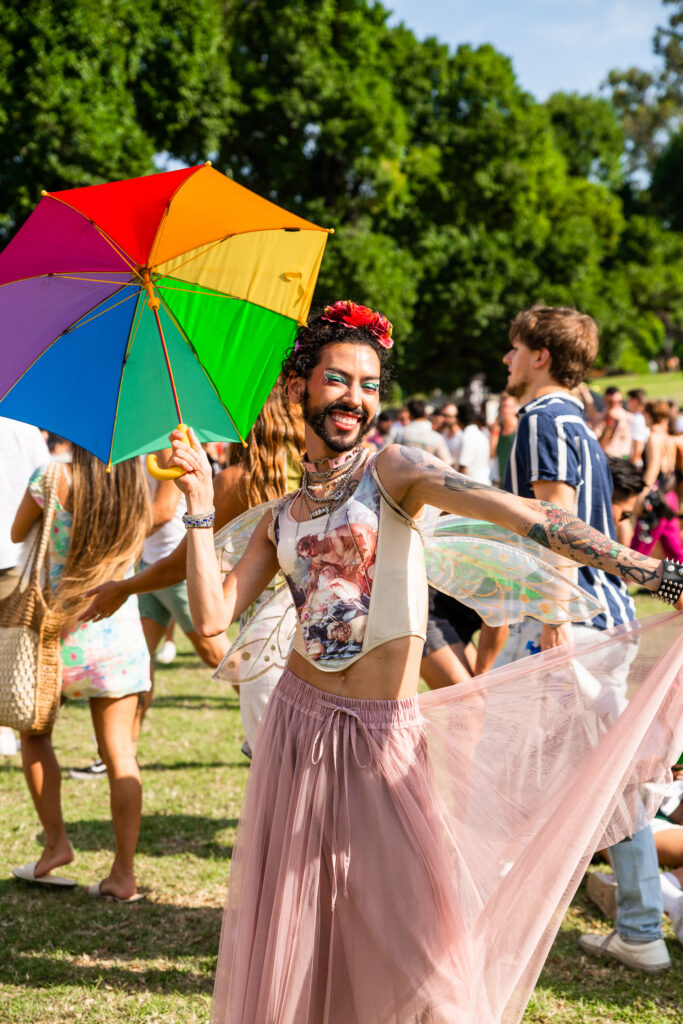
x,y
657,385
66,958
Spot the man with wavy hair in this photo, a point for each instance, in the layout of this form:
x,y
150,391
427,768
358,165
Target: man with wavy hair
x,y
557,458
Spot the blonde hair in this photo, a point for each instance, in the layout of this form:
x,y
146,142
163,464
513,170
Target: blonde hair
x,y
277,433
111,518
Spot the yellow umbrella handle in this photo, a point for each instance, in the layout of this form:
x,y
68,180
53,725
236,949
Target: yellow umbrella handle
x,y
155,470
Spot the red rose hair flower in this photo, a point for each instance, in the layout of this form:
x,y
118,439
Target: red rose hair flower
x,y
352,315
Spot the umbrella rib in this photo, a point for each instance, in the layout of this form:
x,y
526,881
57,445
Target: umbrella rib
x,y
82,323
192,349
115,245
94,280
140,310
160,227
203,252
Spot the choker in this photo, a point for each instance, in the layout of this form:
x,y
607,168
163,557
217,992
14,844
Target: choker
x,y
338,462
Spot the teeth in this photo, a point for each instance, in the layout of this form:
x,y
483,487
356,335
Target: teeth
x,y
345,421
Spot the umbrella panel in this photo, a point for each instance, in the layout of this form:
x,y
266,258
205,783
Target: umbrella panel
x,y
241,345
145,411
273,269
72,389
34,314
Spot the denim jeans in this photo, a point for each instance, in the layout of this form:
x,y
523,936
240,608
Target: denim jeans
x,y
639,894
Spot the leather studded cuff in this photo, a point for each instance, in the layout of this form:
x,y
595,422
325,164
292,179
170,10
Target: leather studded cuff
x,y
671,585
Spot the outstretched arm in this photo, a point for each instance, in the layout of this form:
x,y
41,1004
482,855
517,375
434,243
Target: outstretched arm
x,y
414,479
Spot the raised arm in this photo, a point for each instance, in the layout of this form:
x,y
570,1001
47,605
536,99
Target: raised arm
x,y
414,479
212,605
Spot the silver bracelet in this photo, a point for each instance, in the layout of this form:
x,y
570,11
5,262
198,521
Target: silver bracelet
x,y
671,584
199,520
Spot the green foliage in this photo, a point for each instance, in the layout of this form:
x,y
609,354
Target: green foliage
x,y
91,90
456,197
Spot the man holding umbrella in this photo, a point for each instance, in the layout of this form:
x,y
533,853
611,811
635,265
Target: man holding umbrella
x,y
367,883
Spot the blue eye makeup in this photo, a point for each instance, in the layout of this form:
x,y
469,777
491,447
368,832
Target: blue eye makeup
x,y
333,378
371,385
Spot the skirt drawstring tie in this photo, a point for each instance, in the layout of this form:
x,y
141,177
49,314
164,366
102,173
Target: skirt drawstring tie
x,y
340,730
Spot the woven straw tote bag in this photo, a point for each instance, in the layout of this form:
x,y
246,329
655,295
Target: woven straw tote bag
x,y
30,626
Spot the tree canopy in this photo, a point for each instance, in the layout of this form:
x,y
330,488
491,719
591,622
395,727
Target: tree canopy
x,y
456,197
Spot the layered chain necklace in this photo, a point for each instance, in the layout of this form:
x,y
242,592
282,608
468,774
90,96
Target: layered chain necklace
x,y
331,484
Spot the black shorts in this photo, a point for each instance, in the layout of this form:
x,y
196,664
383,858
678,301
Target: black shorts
x,y
440,633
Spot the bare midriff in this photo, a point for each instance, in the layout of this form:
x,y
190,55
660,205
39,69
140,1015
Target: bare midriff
x,y
388,672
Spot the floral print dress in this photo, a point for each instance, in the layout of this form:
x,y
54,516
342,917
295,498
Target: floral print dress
x,y
99,659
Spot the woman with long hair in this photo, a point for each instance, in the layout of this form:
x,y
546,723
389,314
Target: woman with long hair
x,y
266,468
658,532
100,522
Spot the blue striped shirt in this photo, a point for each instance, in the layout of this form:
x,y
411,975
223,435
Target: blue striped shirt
x,y
553,442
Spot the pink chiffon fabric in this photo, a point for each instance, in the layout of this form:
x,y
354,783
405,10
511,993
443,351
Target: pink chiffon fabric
x,y
410,861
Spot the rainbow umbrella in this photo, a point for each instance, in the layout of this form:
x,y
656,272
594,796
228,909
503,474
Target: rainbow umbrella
x,y
123,304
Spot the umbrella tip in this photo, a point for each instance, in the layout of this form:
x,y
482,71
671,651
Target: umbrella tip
x,y
43,192
207,163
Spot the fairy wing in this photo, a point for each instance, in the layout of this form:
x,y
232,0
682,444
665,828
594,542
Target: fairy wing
x,y
264,642
477,529
500,575
232,539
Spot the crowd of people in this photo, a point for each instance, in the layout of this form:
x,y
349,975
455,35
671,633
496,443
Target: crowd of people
x,y
351,488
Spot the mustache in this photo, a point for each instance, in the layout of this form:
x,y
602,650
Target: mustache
x,y
356,410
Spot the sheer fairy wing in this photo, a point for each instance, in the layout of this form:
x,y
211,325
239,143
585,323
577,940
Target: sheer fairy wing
x,y
477,529
264,643
503,581
232,539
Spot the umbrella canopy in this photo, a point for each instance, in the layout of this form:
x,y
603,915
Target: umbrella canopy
x,y
85,353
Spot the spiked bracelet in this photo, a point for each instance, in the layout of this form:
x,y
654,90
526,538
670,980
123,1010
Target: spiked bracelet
x,y
199,520
671,585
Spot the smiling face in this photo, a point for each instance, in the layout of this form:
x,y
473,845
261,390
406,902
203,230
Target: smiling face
x,y
340,398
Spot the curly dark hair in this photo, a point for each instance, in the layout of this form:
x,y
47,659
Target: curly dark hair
x,y
312,338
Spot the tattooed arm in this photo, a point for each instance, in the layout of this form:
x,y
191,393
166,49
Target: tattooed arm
x,y
414,479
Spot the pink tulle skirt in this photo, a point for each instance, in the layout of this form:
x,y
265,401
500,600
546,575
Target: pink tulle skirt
x,y
410,861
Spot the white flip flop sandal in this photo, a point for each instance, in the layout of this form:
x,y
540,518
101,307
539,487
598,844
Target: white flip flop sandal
x,y
27,873
95,892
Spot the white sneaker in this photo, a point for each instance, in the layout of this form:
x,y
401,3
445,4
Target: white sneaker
x,y
166,653
650,957
8,742
602,889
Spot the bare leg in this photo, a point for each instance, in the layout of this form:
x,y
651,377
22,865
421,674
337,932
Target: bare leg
x,y
669,845
446,666
210,649
113,720
154,633
44,779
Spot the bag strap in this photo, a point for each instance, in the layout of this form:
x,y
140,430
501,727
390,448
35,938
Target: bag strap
x,y
49,502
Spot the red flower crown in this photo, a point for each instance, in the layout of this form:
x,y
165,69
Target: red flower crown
x,y
353,316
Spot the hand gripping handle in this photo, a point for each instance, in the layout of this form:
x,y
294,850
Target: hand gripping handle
x,y
155,470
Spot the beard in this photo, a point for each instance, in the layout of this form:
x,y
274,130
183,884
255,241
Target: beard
x,y
315,418
517,390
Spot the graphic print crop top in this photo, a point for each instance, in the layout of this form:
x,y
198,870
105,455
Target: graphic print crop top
x,y
362,585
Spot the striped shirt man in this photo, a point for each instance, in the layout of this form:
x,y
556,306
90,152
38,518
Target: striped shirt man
x,y
553,442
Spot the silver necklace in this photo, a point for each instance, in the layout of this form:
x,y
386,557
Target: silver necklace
x,y
329,500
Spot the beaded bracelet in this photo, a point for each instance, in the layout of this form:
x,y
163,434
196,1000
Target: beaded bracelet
x,y
199,520
671,585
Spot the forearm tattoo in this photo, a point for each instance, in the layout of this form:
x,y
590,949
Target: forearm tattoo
x,y
564,533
